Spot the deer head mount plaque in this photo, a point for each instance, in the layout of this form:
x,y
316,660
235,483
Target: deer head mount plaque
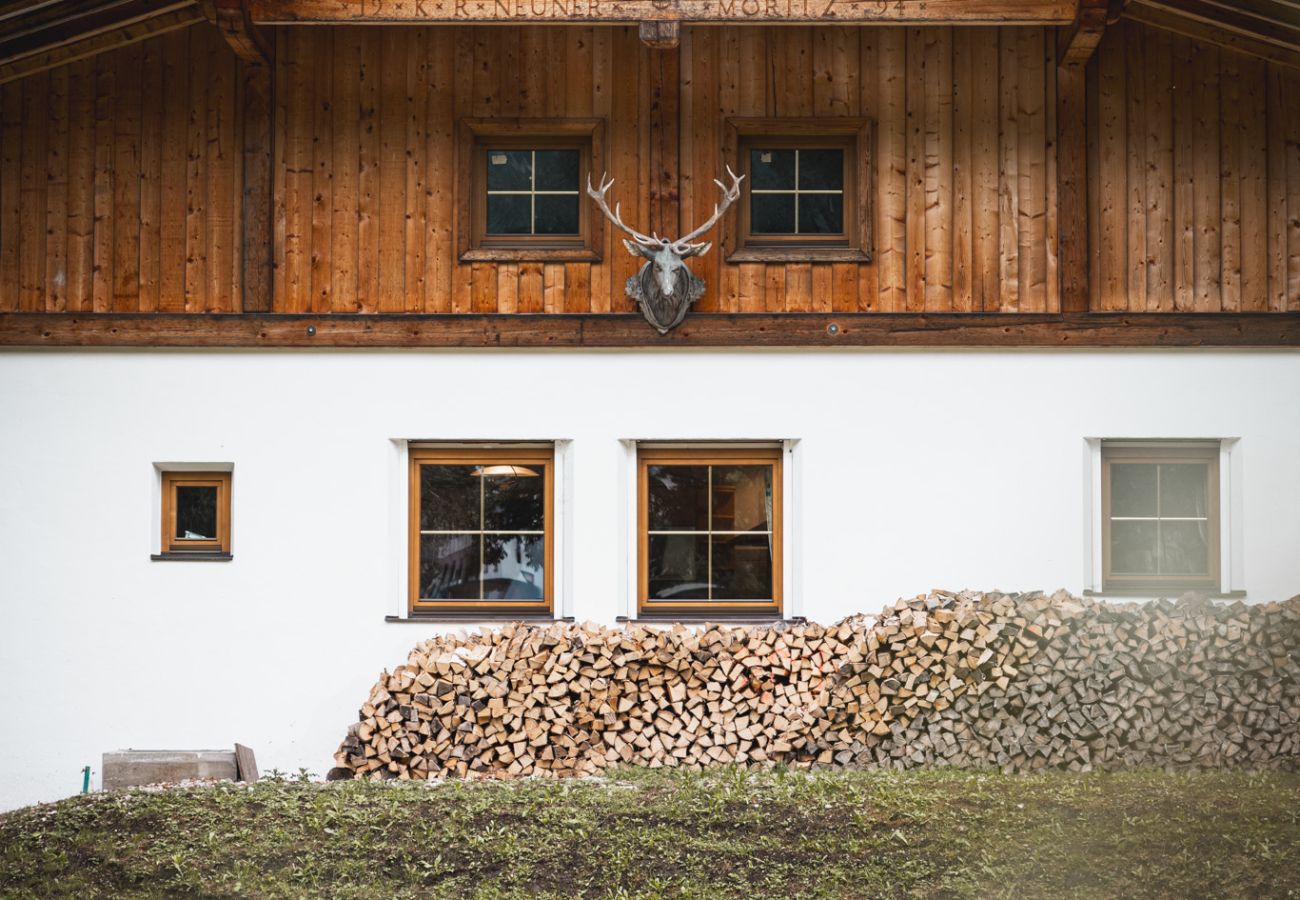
x,y
664,289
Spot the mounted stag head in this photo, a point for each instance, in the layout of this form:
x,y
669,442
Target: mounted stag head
x,y
665,288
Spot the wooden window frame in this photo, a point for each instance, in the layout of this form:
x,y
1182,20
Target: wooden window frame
x,y
697,456
1171,454
172,546
417,606
855,135
473,137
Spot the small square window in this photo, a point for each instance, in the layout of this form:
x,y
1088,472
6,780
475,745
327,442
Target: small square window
x,y
195,513
481,531
1160,517
709,531
806,194
522,185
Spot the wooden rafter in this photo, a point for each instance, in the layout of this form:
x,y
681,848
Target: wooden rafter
x,y
57,34
830,12
1269,29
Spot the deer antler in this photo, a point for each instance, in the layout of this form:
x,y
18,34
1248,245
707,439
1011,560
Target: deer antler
x,y
729,196
599,196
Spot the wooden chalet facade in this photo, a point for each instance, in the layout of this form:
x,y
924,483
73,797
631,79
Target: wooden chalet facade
x,y
319,321
173,167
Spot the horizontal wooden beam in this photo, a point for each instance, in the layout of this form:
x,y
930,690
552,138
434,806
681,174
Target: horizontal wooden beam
x,y
120,34
971,12
1139,330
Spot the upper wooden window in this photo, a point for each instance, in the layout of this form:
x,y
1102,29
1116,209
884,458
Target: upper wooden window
x,y
1160,517
806,193
709,531
195,513
522,189
481,536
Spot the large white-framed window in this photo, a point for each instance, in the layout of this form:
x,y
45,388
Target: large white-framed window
x,y
1163,517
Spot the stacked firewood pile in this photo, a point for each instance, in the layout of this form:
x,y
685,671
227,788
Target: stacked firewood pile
x,y
1017,682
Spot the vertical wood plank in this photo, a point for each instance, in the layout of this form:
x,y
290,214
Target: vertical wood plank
x,y
530,287
174,213
298,110
345,155
753,67
1277,189
439,245
986,164
823,286
1291,103
81,185
1032,171
224,188
625,160
151,138
55,280
508,288
369,96
105,100
552,287
392,169
1051,245
11,117
1205,169
577,287
603,73
320,299
1159,134
915,215
1254,180
1009,184
126,181
798,287
31,253
869,107
1230,182
415,208
1184,277
938,161
1113,172
1135,179
963,222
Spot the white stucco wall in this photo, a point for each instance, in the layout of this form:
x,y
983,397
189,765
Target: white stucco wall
x,y
914,470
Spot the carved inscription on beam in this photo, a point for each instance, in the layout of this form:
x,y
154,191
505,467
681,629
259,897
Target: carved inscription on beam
x,y
999,12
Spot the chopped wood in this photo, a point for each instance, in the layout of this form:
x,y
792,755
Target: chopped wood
x,y
1016,682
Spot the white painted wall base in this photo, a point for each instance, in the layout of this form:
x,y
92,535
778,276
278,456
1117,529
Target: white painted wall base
x,y
914,470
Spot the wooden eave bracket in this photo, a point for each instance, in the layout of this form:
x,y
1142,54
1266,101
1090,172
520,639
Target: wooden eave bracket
x,y
663,34
1076,42
248,41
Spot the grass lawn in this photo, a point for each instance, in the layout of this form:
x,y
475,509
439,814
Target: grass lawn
x,y
727,833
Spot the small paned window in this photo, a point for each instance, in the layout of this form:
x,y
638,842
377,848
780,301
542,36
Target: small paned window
x,y
807,189
481,536
195,513
532,192
796,191
710,532
521,190
1160,517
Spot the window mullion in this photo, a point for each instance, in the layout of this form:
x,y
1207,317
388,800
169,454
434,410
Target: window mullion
x,y
708,540
482,538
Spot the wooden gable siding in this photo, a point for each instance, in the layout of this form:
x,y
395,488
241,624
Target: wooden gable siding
x,y
120,181
965,181
1194,176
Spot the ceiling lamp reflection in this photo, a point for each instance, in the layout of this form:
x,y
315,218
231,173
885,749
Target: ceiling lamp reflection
x,y
504,471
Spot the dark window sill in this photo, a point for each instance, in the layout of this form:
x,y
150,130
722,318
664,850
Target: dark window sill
x,y
798,254
192,556
1171,593
449,618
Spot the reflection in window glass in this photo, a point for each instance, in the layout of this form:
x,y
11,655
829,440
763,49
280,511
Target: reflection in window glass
x,y
710,532
532,192
1159,519
482,532
798,191
196,512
